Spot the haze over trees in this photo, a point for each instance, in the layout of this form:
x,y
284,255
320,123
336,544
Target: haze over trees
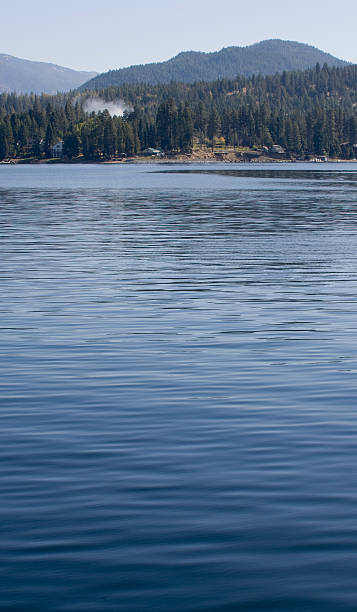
x,y
310,112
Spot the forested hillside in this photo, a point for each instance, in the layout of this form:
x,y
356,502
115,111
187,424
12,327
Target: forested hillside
x,y
266,57
310,112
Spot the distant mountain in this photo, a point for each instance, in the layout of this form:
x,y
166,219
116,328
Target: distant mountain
x,y
266,57
25,76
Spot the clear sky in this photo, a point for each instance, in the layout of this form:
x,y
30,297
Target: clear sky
x,y
103,34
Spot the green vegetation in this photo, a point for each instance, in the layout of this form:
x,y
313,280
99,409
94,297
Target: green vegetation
x,y
266,57
312,112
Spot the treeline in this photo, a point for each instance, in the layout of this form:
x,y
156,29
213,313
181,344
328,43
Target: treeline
x,y
310,112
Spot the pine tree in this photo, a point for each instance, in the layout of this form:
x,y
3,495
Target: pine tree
x,y
4,145
71,145
213,125
109,140
49,139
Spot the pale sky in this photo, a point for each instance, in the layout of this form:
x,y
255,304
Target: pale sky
x,y
104,34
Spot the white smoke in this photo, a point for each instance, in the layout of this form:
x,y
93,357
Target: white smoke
x,y
97,105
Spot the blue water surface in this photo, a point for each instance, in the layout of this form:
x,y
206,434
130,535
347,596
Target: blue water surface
x,y
178,388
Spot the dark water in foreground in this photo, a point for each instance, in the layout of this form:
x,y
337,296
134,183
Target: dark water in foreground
x,y
178,389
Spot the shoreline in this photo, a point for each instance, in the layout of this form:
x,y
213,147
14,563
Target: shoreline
x,y
185,160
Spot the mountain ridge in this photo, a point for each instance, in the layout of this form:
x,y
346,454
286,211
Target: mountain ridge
x,y
264,57
26,76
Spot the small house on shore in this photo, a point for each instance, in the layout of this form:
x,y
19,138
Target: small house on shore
x,y
150,152
57,149
277,149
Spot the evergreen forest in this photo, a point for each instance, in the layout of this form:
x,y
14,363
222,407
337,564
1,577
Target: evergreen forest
x,y
313,112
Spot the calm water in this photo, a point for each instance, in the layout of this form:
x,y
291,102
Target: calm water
x,y
178,388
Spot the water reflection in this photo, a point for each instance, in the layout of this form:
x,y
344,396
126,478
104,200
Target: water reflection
x,y
307,173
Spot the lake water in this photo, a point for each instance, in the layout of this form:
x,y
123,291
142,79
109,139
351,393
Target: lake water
x,y
178,388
